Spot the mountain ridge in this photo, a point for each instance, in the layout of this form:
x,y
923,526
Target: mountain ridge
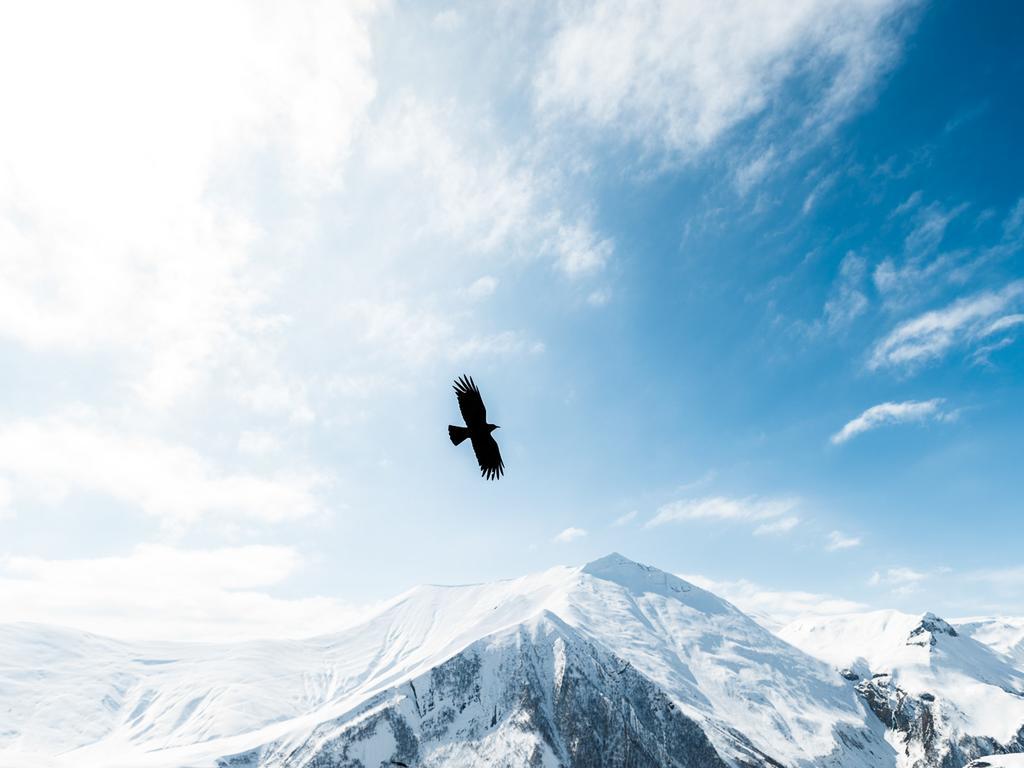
x,y
693,659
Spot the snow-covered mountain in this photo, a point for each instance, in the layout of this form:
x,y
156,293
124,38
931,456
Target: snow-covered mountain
x,y
1004,634
946,697
609,664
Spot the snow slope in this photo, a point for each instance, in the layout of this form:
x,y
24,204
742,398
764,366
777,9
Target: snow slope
x,y
949,692
1004,634
998,761
477,675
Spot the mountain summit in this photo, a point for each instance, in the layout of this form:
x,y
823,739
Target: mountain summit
x,y
613,663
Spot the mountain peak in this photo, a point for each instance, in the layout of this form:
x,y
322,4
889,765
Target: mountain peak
x,y
620,569
926,630
640,579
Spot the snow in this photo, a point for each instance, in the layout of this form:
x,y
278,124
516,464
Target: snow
x,y
983,685
998,761
1004,634
73,699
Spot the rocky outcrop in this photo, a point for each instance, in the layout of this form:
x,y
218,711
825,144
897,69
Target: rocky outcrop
x,y
540,696
919,724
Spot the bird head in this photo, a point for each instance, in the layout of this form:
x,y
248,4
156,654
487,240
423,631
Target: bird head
x,y
492,427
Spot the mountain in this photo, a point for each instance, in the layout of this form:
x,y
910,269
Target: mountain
x,y
946,697
612,663
1005,635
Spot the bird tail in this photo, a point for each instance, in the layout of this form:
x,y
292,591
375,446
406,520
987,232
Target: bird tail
x,y
457,434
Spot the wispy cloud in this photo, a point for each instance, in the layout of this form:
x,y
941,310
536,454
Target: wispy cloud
x,y
482,287
900,580
847,300
655,72
838,540
892,413
782,525
934,333
158,592
569,534
625,519
723,508
51,458
772,607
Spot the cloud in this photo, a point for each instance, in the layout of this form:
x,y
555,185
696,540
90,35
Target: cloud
x,y
901,580
775,608
580,251
722,508
907,205
930,227
932,334
838,540
678,77
569,534
782,525
115,227
891,413
6,497
159,592
501,344
482,287
461,181
257,443
51,458
820,189
755,170
847,300
625,519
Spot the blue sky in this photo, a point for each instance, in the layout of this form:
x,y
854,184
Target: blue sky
x,y
742,284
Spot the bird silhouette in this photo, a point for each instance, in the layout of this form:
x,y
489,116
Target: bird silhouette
x,y
477,429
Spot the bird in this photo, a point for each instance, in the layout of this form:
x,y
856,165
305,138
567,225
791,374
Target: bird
x,y
477,429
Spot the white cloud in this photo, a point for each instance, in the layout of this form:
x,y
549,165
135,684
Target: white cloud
x,y
54,457
6,497
838,540
680,75
930,227
901,581
160,592
755,170
570,534
501,344
907,205
932,334
775,608
448,20
599,298
257,443
820,189
722,508
847,300
782,525
482,287
580,251
625,519
891,413
112,227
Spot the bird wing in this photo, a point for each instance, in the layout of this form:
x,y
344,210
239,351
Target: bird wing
x,y
470,403
488,457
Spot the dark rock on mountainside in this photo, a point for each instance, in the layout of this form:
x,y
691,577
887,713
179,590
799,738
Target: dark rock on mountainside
x,y
539,696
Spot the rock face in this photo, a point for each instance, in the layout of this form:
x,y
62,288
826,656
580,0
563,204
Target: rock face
x,y
539,695
918,724
944,698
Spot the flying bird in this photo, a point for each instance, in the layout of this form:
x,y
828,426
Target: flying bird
x,y
477,429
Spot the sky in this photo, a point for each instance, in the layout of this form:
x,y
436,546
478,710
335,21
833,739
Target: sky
x,y
741,282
